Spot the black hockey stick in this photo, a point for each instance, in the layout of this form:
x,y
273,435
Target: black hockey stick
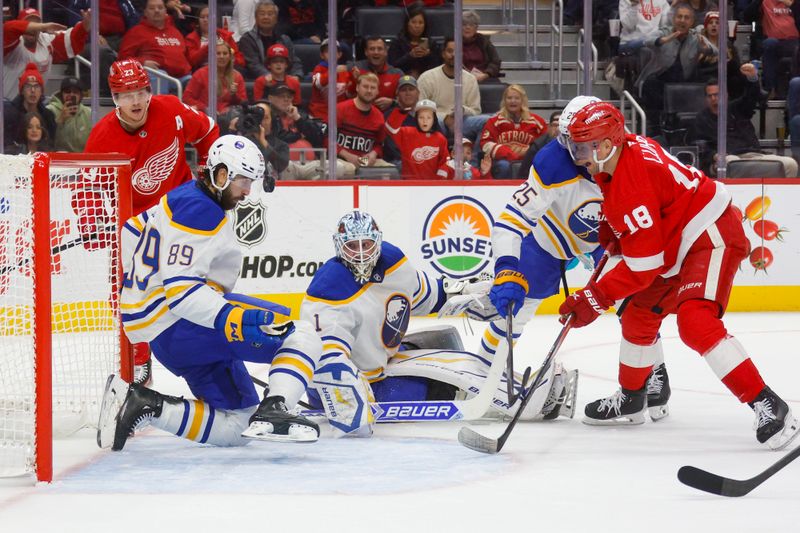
x,y
474,440
724,486
512,396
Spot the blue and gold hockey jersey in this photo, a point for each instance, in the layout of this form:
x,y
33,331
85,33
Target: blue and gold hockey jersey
x,y
367,322
558,203
186,257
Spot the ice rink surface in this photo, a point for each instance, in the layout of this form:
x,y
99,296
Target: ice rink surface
x,y
552,476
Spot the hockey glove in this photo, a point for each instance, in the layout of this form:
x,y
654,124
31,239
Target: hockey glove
x,y
509,286
240,325
587,304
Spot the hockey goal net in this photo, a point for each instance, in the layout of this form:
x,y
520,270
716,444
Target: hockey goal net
x,y
60,330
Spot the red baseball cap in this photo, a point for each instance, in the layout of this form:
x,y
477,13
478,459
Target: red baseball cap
x,y
29,12
278,51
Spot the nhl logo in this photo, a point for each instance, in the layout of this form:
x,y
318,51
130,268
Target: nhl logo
x,y
249,223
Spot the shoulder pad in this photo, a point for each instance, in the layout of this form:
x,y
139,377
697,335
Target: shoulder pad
x,y
333,282
192,210
554,166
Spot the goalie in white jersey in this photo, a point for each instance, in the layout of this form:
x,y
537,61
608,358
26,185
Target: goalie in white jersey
x,y
360,303
176,296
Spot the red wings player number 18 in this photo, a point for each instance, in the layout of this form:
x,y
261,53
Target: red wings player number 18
x,y
681,243
153,131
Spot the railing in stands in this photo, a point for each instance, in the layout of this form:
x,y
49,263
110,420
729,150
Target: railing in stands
x,y
637,111
580,61
557,25
157,73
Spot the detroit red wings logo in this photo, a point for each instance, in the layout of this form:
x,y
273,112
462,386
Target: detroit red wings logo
x,y
424,153
156,169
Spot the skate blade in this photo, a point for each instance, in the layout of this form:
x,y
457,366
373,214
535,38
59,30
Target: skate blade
x,y
113,398
634,419
297,433
658,412
788,434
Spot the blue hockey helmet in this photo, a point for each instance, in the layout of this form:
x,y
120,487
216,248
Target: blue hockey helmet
x,y
358,243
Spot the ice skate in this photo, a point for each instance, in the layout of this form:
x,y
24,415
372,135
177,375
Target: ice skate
x,y
140,407
624,407
561,401
113,397
273,421
143,374
774,424
658,393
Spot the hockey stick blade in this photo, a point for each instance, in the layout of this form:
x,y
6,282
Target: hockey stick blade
x,y
734,488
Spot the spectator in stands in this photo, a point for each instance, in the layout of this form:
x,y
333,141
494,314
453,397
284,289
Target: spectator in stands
x,y
400,113
438,84
156,43
360,127
255,43
28,100
700,8
413,51
255,123
230,83
550,134
73,119
376,62
181,15
300,132
422,146
243,17
469,172
675,57
781,35
640,21
508,134
31,137
302,20
28,40
197,43
278,65
318,107
707,65
742,141
480,57
116,17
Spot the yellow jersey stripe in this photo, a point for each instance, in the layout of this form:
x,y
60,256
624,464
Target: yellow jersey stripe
x,y
422,289
187,229
565,232
359,292
556,245
489,337
514,221
140,325
555,185
158,292
197,420
173,291
335,346
137,223
286,360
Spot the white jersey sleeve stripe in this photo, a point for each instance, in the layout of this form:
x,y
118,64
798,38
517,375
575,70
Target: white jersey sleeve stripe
x,y
643,264
515,231
553,240
173,305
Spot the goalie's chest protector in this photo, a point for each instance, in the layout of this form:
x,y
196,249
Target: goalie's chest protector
x,y
372,318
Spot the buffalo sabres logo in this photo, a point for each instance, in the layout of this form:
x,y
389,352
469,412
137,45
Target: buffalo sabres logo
x,y
249,223
395,324
584,221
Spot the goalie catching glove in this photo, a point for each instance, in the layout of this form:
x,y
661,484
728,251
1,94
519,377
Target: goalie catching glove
x,y
251,325
469,297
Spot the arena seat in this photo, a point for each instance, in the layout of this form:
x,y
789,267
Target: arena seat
x,y
385,22
491,96
308,54
755,168
440,21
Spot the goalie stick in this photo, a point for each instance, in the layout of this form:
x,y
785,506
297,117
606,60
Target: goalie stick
x,y
474,440
724,486
431,411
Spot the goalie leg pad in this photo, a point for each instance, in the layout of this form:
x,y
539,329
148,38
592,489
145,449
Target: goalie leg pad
x,y
437,338
345,395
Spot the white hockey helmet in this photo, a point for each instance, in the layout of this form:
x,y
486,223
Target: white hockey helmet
x,y
574,105
358,243
240,156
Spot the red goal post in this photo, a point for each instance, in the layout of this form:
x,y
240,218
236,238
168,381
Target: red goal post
x,y
60,267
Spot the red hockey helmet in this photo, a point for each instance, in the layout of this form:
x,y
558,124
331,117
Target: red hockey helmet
x,y
126,76
598,121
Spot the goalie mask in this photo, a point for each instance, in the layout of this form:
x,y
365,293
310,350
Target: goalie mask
x,y
358,244
240,157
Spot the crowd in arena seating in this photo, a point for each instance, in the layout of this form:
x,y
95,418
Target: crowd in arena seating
x,y
274,54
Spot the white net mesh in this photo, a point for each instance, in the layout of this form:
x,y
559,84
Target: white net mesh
x,y
85,321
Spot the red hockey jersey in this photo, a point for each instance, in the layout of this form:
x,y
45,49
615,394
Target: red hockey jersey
x,y
501,135
657,207
318,107
359,132
158,161
422,153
